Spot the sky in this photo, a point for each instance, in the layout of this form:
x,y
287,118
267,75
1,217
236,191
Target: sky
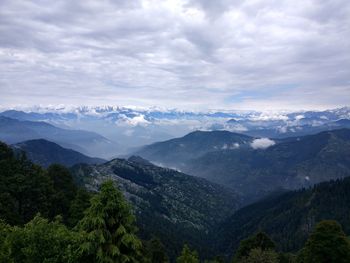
x,y
194,54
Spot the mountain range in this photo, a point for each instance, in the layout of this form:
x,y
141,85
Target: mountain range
x,y
176,153
90,143
238,184
45,153
135,127
255,167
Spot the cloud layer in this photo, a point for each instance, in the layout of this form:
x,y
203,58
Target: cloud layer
x,y
189,54
262,143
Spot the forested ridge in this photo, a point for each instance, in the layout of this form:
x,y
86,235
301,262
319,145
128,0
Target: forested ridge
x,y
289,217
46,217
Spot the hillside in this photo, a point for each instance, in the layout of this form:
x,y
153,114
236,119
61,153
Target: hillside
x,y
293,164
255,167
174,206
288,218
176,152
45,153
90,143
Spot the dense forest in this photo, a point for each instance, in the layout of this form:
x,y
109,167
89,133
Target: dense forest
x,y
46,217
289,217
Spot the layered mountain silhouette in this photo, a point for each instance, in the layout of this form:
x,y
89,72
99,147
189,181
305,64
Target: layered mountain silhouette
x,y
291,163
178,152
90,143
45,153
307,126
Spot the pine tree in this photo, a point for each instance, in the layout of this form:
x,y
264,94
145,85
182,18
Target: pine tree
x,y
187,256
326,244
260,240
257,255
25,189
109,229
155,251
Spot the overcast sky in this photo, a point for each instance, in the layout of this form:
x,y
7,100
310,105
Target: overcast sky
x,y
195,54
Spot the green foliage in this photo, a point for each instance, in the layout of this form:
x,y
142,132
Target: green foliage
x,y
217,259
287,258
5,230
38,241
257,255
155,251
326,244
109,230
79,204
27,189
64,190
24,188
187,256
259,241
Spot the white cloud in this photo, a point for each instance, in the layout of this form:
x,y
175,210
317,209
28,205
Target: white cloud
x,y
262,143
299,117
137,120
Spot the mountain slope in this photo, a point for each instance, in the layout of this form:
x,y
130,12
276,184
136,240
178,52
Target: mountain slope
x,y
295,163
288,218
14,131
176,152
44,153
176,207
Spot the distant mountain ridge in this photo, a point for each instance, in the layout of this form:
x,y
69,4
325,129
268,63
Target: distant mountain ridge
x,y
133,127
291,163
45,153
297,130
177,152
90,143
40,112
296,163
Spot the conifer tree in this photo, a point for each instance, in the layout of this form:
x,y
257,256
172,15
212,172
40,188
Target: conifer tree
x,y
327,244
257,255
260,240
109,228
155,251
188,256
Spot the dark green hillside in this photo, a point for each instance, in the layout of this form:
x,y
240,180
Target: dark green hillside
x,y
289,218
176,207
27,189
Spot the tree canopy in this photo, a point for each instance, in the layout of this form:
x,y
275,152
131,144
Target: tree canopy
x,y
258,241
109,228
326,244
